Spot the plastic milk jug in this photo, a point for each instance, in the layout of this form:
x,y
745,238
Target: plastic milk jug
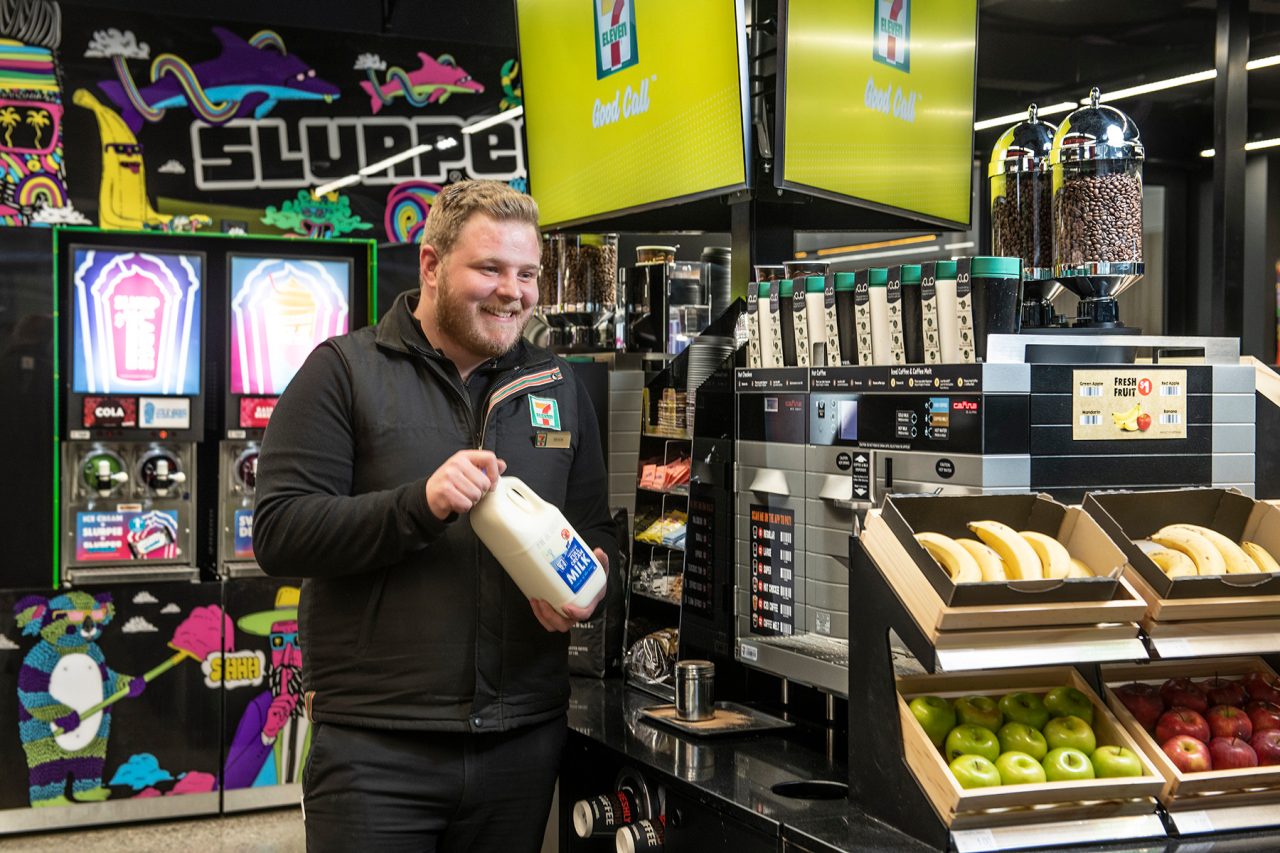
x,y
541,551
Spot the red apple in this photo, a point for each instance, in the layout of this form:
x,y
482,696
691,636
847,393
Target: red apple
x,y
1219,691
1144,422
1229,721
1184,693
1182,721
1143,701
1263,687
1188,754
1263,715
1267,747
1231,753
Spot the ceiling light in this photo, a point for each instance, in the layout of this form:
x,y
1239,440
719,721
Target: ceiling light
x,y
968,244
862,247
1262,62
484,124
381,165
867,256
1052,109
1155,86
325,189
1248,146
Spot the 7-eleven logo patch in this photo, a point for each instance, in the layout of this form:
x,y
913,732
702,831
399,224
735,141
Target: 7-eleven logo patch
x,y
544,413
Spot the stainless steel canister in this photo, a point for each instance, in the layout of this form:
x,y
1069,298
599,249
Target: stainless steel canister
x,y
695,690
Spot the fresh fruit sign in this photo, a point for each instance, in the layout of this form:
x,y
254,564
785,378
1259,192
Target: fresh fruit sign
x,y
1128,404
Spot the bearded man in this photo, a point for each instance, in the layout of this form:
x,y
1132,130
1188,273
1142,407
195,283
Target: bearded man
x,y
437,692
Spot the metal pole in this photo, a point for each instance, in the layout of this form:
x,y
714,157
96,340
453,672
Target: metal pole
x,y
1230,128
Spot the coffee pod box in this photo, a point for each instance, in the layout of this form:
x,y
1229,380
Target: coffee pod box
x,y
862,317
830,322
966,329
912,328
800,323
753,326
929,328
770,317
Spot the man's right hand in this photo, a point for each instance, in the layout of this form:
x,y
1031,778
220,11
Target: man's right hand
x,y
461,481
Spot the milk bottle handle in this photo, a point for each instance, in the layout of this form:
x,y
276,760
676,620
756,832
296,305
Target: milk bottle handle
x,y
520,499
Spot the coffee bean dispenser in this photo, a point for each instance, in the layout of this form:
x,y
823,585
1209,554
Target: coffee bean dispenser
x,y
1022,213
1096,164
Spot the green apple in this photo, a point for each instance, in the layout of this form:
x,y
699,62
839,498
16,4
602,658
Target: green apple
x,y
1067,765
1069,702
1019,737
979,711
1025,708
1018,768
935,716
1112,761
1070,732
974,771
966,739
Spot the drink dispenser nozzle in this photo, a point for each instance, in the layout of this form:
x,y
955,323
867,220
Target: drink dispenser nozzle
x,y
164,479
105,481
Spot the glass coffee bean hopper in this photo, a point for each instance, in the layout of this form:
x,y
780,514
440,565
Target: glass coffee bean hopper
x,y
1022,212
1096,163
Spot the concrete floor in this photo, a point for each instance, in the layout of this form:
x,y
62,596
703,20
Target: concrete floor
x,y
274,831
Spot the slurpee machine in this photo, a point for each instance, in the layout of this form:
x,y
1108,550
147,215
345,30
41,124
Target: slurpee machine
x,y
280,308
133,409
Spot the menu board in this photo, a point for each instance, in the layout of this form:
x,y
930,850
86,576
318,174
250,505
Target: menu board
x,y
773,565
699,554
136,322
281,309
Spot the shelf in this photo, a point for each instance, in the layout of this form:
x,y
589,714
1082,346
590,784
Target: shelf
x,y
1225,818
1094,831
678,491
674,602
1215,639
665,432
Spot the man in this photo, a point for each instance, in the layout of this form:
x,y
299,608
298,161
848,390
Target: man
x,y
437,691
272,738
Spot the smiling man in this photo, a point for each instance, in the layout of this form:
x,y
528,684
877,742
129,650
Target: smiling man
x,y
438,693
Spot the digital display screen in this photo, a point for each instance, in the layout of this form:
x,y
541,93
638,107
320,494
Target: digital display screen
x,y
847,410
879,108
136,322
282,309
631,103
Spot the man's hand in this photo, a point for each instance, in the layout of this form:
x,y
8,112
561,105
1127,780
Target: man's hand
x,y
553,621
461,481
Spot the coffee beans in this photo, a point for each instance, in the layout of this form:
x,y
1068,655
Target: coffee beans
x,y
590,274
549,275
1022,219
1098,217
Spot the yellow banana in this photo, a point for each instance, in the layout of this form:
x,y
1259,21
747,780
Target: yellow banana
x,y
1175,564
956,560
988,560
1207,558
1020,560
1119,418
1079,569
1261,557
1055,561
1237,561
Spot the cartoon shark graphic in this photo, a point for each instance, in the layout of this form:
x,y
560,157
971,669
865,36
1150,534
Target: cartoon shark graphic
x,y
432,83
246,78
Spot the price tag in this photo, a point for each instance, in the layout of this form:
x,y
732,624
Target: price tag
x,y
972,840
1193,823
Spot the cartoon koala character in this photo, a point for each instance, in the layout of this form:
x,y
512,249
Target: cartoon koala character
x,y
63,674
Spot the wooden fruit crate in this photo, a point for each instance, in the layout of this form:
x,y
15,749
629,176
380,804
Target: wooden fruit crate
x,y
937,619
1212,788
1010,805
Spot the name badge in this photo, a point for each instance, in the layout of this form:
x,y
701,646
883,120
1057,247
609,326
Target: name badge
x,y
550,439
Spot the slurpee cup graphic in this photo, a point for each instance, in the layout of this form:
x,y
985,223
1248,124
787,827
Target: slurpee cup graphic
x,y
281,310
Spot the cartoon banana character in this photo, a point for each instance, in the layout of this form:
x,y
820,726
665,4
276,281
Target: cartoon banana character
x,y
122,195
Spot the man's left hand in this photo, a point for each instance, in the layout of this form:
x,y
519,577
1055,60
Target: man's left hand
x,y
550,619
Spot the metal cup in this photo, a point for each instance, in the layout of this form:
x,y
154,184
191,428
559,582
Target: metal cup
x,y
695,690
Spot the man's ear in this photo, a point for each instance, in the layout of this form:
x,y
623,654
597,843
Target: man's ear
x,y
30,612
429,261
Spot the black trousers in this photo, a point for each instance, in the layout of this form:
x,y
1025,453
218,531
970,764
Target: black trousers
x,y
392,791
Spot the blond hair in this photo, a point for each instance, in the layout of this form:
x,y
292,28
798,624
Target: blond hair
x,y
457,203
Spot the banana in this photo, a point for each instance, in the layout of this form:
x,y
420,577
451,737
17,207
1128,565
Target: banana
x,y
988,560
1079,569
1055,561
1206,557
1020,559
1120,417
1175,564
1261,556
955,559
1237,561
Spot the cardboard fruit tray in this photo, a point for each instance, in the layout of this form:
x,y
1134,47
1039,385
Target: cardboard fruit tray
x,y
1009,805
1212,788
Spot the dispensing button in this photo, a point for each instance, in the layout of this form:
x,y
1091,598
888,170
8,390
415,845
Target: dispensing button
x,y
477,722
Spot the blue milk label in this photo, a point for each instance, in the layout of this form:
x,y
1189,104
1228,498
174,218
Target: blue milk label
x,y
575,565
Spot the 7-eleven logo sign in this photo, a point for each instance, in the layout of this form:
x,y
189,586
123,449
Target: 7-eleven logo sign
x,y
615,36
544,413
893,34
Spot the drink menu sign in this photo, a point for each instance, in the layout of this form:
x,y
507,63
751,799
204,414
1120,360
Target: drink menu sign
x,y
699,555
772,552
136,323
1109,405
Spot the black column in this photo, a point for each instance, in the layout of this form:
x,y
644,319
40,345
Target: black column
x,y
1230,124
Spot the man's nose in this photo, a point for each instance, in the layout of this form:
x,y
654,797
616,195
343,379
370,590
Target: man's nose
x,y
509,286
